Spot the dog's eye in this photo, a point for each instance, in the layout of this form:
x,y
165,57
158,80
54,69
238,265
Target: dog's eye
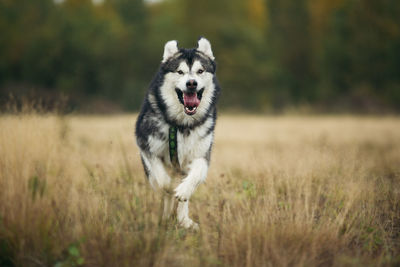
x,y
180,72
200,71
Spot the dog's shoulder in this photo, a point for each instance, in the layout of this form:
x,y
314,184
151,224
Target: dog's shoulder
x,y
151,129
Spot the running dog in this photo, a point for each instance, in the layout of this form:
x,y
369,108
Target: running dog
x,y
175,127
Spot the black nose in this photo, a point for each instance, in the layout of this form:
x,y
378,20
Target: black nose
x,y
191,84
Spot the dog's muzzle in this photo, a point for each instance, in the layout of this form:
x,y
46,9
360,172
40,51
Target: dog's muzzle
x,y
190,100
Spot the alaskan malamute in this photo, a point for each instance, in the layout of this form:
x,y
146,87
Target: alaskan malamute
x,y
175,128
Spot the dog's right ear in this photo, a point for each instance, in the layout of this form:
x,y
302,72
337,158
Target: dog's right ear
x,y
170,49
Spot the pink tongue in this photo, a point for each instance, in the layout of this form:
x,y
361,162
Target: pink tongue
x,y
190,100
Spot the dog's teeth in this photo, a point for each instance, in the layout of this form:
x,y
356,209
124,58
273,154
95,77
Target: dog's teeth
x,y
191,108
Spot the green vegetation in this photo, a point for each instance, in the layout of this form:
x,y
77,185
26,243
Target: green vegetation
x,y
340,55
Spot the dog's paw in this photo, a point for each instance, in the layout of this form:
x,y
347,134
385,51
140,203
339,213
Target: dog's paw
x,y
195,226
189,224
183,191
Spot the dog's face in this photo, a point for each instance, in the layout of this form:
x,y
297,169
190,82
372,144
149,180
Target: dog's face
x,y
188,87
190,84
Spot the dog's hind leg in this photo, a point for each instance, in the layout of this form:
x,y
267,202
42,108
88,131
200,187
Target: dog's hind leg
x,y
183,216
168,206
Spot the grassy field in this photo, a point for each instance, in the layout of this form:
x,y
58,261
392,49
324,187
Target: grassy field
x,y
281,191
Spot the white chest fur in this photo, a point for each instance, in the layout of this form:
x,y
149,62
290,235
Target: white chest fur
x,y
191,145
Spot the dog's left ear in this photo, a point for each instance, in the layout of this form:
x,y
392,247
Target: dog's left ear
x,y
170,49
204,46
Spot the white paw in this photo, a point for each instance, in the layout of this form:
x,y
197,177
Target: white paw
x,y
189,224
183,191
195,226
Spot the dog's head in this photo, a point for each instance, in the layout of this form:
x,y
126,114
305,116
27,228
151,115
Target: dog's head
x,y
189,86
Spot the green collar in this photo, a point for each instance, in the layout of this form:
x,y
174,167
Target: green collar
x,y
173,146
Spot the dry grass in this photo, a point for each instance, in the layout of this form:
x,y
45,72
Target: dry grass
x,y
281,191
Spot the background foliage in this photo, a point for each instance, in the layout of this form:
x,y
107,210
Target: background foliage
x,y
341,55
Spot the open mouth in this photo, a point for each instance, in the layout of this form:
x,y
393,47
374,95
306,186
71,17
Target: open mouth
x,y
190,101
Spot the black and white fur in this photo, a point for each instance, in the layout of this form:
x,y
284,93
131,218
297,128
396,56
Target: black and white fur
x,y
163,107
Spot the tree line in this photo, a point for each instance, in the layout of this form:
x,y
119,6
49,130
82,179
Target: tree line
x,y
323,55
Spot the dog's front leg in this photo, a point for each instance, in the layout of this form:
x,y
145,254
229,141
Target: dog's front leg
x,y
197,174
158,176
183,216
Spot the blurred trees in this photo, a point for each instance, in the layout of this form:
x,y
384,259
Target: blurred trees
x,y
289,39
360,59
341,55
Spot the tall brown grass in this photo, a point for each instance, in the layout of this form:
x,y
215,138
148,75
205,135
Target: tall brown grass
x,y
281,191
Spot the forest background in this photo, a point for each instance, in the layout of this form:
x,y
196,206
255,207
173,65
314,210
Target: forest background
x,y
329,56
